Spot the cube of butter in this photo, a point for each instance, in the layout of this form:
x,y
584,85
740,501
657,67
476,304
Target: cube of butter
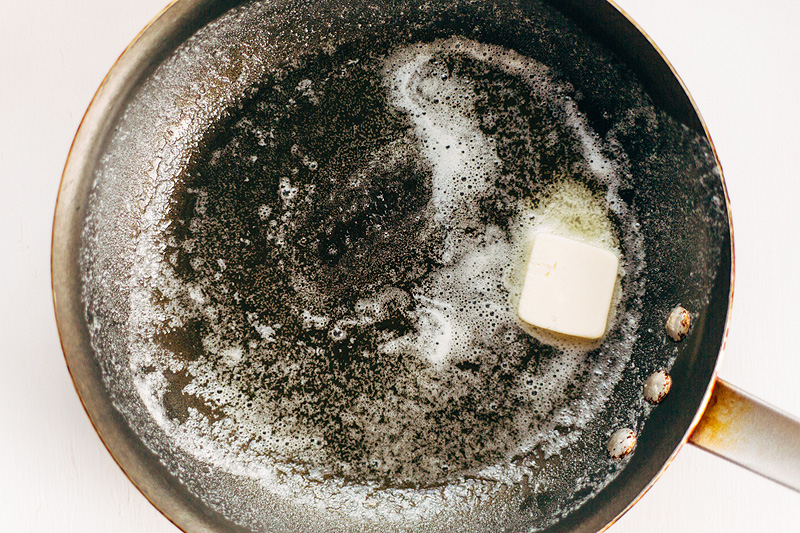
x,y
568,286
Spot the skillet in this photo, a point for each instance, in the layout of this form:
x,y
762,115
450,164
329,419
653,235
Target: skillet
x,y
692,367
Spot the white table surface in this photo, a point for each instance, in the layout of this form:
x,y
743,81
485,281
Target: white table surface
x,y
739,59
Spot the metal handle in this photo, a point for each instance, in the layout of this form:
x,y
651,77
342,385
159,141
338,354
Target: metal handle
x,y
750,433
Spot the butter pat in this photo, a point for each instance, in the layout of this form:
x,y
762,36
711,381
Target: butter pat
x,y
568,286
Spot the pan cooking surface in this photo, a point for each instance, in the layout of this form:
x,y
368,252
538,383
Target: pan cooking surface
x,y
351,306
303,286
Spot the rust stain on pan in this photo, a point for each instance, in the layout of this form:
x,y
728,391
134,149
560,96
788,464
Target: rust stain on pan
x,y
745,430
722,420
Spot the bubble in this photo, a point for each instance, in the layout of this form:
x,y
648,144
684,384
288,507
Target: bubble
x,y
264,212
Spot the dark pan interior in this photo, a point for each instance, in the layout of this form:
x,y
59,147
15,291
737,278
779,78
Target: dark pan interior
x,y
153,127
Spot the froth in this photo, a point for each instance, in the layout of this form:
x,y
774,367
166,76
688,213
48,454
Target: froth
x,y
458,358
465,166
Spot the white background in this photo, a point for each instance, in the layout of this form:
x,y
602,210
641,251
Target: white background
x,y
739,59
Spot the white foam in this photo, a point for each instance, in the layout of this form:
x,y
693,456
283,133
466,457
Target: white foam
x,y
457,309
464,160
465,163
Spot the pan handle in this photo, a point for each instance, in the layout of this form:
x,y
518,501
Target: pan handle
x,y
746,431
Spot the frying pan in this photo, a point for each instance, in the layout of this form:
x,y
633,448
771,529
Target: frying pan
x,y
179,487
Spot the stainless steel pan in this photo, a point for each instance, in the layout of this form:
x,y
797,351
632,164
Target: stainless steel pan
x,y
118,153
